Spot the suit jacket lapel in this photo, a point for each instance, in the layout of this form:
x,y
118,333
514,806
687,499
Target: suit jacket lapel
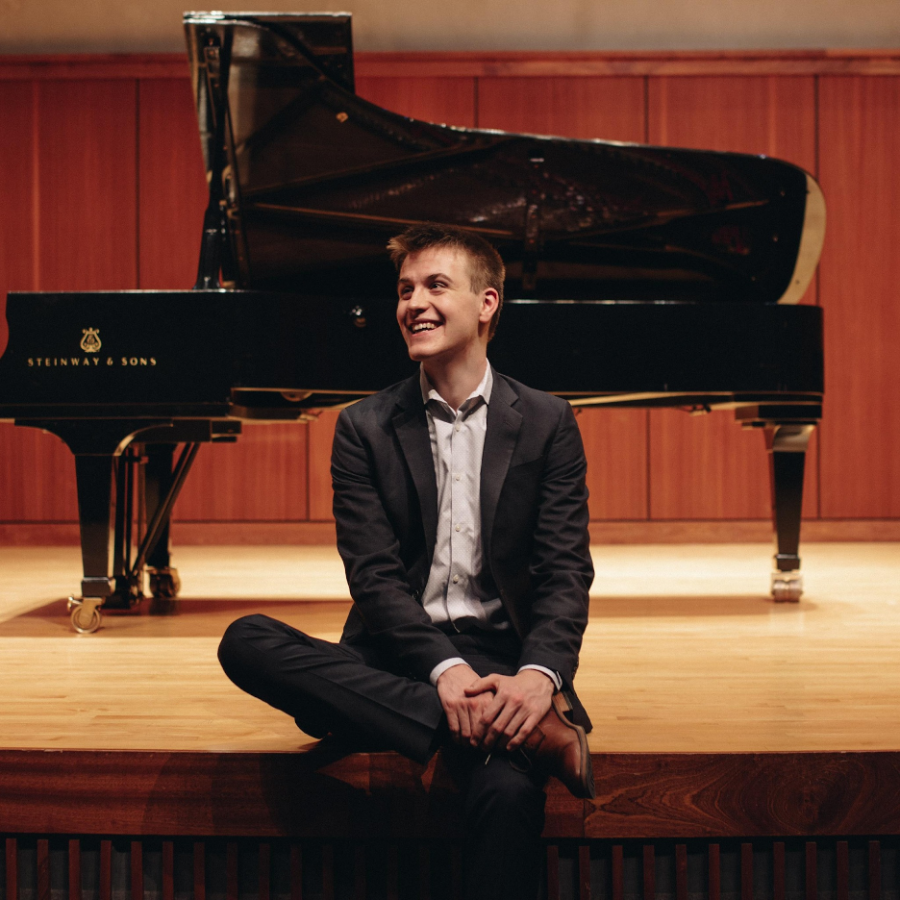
x,y
503,424
411,427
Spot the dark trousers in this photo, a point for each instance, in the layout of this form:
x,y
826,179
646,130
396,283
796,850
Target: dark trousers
x,y
352,692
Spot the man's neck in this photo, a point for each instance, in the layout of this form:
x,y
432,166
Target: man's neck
x,y
456,380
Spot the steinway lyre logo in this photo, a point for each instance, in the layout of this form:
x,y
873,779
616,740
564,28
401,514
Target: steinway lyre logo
x,y
90,343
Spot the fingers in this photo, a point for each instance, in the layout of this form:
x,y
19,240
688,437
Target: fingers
x,y
480,717
488,683
452,721
525,729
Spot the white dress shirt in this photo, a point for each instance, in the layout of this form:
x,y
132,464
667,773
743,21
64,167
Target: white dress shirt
x,y
459,594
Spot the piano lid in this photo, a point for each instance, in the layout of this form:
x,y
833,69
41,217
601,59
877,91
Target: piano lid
x,y
308,181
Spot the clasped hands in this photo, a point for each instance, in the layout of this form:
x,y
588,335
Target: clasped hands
x,y
495,712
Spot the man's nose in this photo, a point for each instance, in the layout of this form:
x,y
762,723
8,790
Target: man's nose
x,y
418,298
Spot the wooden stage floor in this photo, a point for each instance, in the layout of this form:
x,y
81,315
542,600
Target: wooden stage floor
x,y
685,652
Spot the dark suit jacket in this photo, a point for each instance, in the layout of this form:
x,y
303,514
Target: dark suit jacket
x,y
534,524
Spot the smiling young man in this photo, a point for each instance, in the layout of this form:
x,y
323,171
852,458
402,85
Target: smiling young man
x,y
461,515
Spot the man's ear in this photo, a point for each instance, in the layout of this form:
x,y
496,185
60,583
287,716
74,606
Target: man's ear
x,y
490,299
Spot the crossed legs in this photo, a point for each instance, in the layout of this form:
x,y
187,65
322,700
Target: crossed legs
x,y
347,691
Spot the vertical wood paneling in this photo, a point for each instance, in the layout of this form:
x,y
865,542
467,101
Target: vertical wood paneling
x,y
17,190
681,875
167,888
552,872
586,108
87,158
102,187
173,191
778,875
617,872
43,869
12,869
200,872
232,884
811,874
714,873
842,874
86,240
261,478
705,467
649,867
874,870
104,889
321,435
74,892
36,470
746,871
860,270
615,443
448,101
137,871
584,872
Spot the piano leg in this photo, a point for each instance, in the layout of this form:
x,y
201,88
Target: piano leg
x,y
158,480
786,444
93,475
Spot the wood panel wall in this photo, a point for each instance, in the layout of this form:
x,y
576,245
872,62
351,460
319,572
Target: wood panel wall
x,y
102,186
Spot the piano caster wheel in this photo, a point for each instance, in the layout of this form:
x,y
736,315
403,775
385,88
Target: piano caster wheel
x,y
164,584
85,614
787,587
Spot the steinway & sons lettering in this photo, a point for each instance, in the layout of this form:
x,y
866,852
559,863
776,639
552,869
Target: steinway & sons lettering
x,y
90,362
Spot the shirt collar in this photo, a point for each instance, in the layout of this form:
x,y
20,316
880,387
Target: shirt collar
x,y
483,390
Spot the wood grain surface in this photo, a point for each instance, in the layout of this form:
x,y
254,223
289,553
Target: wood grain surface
x,y
716,712
322,793
474,64
102,185
172,185
705,467
860,270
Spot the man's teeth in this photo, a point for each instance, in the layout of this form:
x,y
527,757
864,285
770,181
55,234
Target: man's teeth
x,y
423,326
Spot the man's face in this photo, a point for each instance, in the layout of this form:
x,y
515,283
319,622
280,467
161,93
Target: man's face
x,y
439,314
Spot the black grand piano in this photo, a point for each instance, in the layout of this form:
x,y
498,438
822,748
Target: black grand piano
x,y
638,276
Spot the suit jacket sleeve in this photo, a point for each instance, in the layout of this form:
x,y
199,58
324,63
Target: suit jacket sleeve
x,y
560,565
369,531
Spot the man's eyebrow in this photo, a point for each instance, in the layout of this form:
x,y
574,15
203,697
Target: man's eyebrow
x,y
430,277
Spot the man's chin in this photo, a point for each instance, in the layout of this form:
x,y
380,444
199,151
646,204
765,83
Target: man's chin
x,y
421,354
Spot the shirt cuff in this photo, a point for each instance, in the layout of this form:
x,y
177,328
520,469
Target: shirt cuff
x,y
553,676
442,667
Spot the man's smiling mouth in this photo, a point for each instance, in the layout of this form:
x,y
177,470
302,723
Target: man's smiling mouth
x,y
418,327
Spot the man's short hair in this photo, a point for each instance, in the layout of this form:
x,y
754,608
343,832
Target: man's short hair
x,y
485,265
